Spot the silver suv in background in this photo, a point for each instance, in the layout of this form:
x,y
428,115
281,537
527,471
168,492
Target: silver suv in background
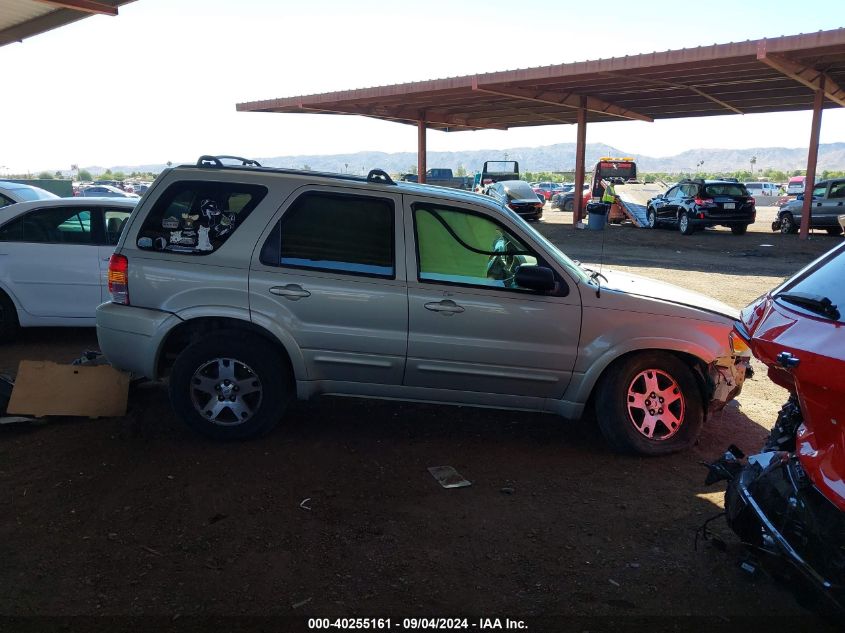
x,y
249,286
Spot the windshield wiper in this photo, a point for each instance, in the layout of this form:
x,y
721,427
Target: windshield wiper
x,y
814,303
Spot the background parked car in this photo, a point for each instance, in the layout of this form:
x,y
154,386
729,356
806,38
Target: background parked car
x,y
54,260
547,189
694,204
518,196
12,192
565,200
105,191
825,209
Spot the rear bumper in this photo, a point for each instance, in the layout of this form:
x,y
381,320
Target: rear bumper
x,y
130,337
725,220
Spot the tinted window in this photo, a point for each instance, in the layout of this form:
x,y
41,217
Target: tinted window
x,y
5,201
460,247
50,226
351,234
726,189
837,190
115,221
196,218
819,190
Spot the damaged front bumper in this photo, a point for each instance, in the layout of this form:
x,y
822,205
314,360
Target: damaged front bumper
x,y
725,377
794,531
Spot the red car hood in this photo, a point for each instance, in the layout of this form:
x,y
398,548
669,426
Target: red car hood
x,y
818,379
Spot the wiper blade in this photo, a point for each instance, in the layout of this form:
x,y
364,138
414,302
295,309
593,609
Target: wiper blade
x,y
814,303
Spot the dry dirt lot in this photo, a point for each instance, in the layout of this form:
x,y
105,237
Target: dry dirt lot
x,y
138,516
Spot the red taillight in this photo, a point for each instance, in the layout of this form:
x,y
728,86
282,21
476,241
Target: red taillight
x,y
752,200
119,279
704,201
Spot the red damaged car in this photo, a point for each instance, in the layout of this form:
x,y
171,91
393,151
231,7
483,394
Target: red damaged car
x,y
787,503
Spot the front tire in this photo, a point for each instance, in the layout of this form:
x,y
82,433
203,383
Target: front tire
x,y
787,224
568,205
651,219
649,404
233,386
834,230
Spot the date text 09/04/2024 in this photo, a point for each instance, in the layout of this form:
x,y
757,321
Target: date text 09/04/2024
x,y
411,624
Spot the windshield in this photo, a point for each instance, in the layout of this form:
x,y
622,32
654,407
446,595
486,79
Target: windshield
x,y
823,284
608,169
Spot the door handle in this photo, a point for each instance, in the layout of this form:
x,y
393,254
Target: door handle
x,y
447,307
294,292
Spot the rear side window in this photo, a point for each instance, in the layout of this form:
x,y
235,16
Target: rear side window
x,y
331,232
196,218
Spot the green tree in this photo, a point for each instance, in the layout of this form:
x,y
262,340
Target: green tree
x,y
46,175
84,174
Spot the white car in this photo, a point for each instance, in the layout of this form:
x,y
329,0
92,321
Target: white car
x,y
12,192
54,257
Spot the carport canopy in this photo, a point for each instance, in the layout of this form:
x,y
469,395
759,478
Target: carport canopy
x,y
796,72
20,19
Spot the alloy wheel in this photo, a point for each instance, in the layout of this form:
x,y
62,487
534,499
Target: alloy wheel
x,y
656,404
226,391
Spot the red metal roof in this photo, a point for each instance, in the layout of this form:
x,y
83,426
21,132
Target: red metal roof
x,y
768,75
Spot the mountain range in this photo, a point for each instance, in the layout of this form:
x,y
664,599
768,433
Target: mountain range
x,y
552,158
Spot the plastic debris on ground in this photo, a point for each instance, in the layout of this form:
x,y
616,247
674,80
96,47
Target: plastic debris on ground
x,y
448,477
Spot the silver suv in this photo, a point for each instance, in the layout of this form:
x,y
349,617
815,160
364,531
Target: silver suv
x,y
249,286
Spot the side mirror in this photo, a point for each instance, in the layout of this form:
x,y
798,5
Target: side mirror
x,y
800,196
537,278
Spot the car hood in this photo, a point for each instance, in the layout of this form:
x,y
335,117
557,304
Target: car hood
x,y
654,289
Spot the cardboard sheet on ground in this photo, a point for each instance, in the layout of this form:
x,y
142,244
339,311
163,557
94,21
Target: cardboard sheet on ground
x,y
45,388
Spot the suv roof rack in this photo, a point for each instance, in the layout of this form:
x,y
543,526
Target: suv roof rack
x,y
217,161
376,176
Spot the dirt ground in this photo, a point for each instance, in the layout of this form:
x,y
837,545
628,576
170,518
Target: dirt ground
x,y
335,513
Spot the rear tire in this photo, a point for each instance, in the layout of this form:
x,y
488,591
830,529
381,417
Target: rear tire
x,y
8,318
684,224
834,230
739,229
568,205
624,405
231,386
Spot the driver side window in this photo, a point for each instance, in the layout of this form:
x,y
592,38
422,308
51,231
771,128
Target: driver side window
x,y
460,247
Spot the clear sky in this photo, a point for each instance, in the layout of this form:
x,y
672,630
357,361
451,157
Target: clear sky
x,y
160,82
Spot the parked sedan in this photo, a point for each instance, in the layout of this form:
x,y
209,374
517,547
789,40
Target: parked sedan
x,y
12,192
105,191
565,200
827,205
54,258
518,196
695,204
